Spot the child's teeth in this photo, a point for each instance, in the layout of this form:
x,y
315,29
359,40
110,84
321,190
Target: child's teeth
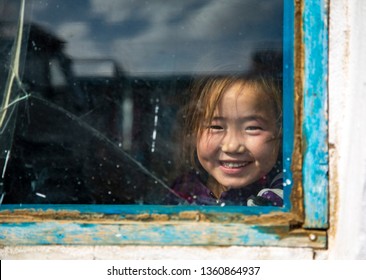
x,y
233,164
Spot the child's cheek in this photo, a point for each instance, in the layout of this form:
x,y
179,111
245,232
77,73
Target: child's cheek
x,y
206,146
212,142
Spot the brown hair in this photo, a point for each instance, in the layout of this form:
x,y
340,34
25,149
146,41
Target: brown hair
x,y
206,94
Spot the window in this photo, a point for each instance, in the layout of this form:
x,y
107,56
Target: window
x,y
91,111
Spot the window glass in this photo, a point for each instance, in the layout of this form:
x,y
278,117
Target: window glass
x,y
95,96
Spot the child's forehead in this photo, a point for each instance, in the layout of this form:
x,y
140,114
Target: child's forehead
x,y
242,97
238,90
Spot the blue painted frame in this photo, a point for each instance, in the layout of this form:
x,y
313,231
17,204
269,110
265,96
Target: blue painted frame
x,y
288,102
315,121
262,232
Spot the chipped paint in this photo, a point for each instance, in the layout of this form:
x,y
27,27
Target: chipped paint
x,y
310,153
315,121
162,233
21,227
26,216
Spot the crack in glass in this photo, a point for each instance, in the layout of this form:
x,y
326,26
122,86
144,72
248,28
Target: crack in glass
x,y
92,92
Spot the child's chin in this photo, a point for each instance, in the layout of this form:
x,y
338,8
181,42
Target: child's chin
x,y
235,185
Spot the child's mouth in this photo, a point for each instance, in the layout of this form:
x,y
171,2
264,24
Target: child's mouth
x,y
234,165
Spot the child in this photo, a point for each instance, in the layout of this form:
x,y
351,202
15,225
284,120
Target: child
x,y
233,136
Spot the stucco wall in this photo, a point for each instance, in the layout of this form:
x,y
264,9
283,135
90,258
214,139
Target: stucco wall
x,y
347,130
347,98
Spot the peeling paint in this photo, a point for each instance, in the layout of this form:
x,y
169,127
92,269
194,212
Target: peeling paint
x,y
297,191
315,107
162,233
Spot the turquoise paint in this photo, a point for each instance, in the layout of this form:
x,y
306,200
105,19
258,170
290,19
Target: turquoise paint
x,y
163,234
123,210
315,124
170,234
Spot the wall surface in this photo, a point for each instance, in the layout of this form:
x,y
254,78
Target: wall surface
x,y
347,98
347,131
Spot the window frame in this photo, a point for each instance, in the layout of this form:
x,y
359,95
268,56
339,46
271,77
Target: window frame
x,y
301,223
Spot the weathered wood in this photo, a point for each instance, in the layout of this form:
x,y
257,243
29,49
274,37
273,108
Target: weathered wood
x,y
315,114
157,233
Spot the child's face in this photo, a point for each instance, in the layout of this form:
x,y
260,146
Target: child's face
x,y
240,145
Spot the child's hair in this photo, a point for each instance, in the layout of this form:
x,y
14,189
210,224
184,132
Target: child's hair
x,y
206,94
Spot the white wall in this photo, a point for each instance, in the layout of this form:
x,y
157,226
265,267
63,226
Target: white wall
x,y
347,97
347,137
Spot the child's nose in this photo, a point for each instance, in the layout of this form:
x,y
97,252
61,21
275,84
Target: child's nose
x,y
232,144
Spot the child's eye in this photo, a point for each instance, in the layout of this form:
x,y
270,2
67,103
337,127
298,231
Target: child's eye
x,y
215,127
253,128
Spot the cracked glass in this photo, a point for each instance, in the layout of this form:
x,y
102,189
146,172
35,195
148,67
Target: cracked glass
x,y
93,93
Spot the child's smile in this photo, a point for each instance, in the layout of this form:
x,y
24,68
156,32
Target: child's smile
x,y
232,167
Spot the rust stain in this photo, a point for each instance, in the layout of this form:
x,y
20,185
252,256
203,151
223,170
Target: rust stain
x,y
194,215
139,217
32,214
19,216
145,217
274,219
297,191
160,217
333,153
334,190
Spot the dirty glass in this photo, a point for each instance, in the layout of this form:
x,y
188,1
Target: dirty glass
x,y
92,91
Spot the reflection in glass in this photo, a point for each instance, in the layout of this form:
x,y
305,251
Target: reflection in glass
x,y
93,92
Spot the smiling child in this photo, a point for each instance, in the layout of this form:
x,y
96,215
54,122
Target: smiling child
x,y
233,135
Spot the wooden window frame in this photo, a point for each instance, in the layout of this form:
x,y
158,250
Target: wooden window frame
x,y
303,222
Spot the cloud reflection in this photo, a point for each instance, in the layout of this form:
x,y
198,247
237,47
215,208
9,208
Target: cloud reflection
x,y
166,36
